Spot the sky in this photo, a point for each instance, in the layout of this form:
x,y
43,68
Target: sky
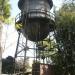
x,y
14,7
10,35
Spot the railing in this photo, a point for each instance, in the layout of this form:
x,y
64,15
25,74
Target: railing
x,y
36,13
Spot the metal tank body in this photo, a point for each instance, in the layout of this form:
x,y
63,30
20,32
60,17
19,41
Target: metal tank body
x,y
35,18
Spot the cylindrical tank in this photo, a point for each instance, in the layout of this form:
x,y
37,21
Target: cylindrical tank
x,y
35,18
29,5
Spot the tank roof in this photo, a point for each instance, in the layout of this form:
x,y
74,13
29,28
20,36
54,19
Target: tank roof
x,y
50,3
20,3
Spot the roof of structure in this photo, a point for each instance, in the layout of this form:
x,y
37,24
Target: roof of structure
x,y
20,3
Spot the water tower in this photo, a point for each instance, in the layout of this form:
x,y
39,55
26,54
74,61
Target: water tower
x,y
35,22
35,18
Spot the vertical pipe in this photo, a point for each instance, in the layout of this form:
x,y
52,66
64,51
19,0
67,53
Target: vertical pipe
x,y
36,53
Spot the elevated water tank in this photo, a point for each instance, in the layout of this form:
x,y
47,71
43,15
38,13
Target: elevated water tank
x,y
36,18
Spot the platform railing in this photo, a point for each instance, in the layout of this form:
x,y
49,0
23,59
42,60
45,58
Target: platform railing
x,y
35,13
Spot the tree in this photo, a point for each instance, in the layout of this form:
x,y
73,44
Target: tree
x,y
63,58
4,9
4,14
8,65
65,38
22,66
46,49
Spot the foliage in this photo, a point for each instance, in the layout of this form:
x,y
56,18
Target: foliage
x,y
4,9
22,66
46,49
8,65
4,15
63,57
19,26
65,37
